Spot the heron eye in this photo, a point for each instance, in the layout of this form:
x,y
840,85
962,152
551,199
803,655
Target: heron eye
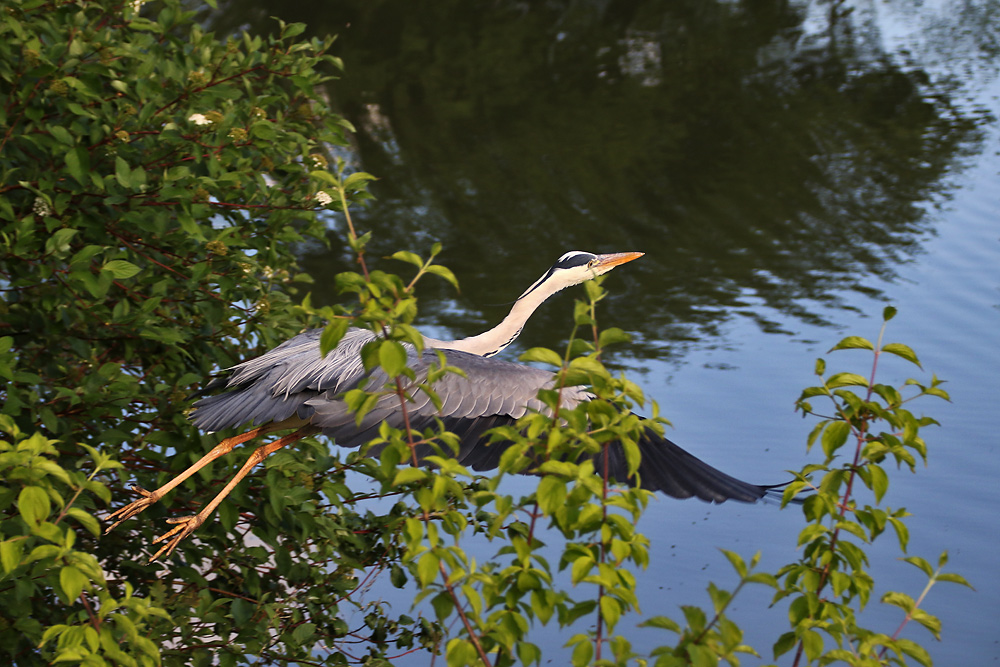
x,y
591,263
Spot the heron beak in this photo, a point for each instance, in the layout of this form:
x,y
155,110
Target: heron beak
x,y
607,262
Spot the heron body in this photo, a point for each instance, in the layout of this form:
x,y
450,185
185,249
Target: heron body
x,y
293,386
294,382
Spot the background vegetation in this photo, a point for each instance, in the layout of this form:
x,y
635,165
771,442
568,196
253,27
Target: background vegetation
x,y
156,183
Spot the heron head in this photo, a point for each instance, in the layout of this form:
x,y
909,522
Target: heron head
x,y
577,266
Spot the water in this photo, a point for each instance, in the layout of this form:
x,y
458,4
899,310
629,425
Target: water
x,y
787,174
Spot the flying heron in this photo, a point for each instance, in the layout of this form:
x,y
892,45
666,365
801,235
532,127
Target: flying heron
x,y
293,386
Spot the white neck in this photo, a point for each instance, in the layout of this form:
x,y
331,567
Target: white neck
x,y
490,342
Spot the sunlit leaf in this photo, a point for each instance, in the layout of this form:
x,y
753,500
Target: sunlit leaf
x,y
846,380
443,272
33,504
392,357
72,582
902,351
120,269
542,355
853,343
332,334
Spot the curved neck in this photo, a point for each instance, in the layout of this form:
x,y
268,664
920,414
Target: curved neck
x,y
496,339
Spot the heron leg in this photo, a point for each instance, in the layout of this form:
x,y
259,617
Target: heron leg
x,y
188,524
150,497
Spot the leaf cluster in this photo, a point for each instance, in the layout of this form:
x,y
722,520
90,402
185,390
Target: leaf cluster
x,y
156,182
830,584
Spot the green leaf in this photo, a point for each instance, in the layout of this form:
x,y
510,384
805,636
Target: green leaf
x,y
61,134
443,272
612,336
661,622
10,553
443,605
583,653
409,475
915,651
853,343
86,520
879,481
901,600
543,355
551,494
123,174
304,632
812,642
58,243
834,437
137,181
611,611
427,568
52,632
784,644
332,335
736,561
409,257
33,504
392,357
78,165
120,269
902,351
953,578
929,621
72,581
888,313
902,532
528,653
460,653
921,563
358,180
397,575
581,568
846,380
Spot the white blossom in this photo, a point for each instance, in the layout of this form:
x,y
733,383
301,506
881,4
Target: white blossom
x,y
41,207
199,119
323,198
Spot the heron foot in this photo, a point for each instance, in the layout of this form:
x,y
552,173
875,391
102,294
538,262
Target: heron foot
x,y
185,526
130,510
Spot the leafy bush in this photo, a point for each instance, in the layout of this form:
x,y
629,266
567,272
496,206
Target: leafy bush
x,y
156,182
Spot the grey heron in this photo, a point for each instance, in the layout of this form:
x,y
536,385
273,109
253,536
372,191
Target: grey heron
x,y
294,387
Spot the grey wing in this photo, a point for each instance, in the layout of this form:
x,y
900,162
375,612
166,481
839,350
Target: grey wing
x,y
277,384
490,393
294,380
496,392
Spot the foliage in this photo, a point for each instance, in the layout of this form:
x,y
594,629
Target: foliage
x,y
839,526
156,182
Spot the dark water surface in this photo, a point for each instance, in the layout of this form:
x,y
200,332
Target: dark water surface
x,y
789,168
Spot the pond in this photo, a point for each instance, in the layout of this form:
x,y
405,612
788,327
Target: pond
x,y
789,168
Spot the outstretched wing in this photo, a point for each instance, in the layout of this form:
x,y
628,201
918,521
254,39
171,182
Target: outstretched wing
x,y
294,380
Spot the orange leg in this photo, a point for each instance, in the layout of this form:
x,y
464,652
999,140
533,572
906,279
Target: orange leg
x,y
187,525
150,497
